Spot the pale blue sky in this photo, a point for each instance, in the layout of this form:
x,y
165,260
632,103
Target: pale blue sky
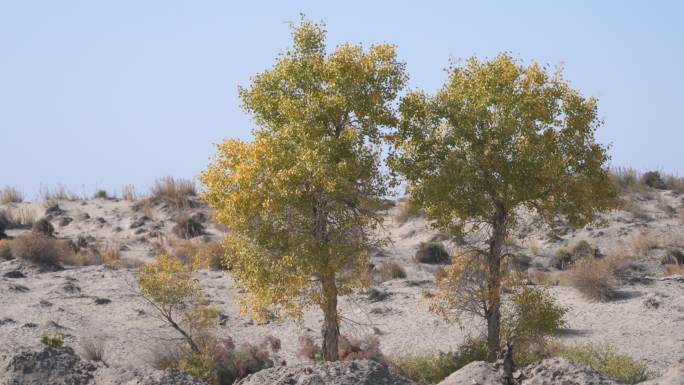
x,y
97,94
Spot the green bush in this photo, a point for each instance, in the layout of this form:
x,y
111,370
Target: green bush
x,y
52,341
432,367
606,360
43,226
532,319
102,194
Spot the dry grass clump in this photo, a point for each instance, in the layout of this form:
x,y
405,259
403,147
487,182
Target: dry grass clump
x,y
187,227
60,193
128,193
198,255
11,195
674,269
597,279
41,250
408,209
5,250
92,349
43,226
388,270
24,216
629,180
642,242
175,192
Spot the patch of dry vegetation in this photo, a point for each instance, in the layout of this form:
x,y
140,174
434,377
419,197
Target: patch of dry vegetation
x,y
41,250
11,195
641,243
597,279
128,193
174,192
388,270
60,193
408,209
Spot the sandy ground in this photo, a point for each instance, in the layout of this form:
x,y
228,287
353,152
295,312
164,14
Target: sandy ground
x,y
67,301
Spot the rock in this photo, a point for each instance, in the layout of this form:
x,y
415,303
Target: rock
x,y
14,274
139,222
62,366
102,301
65,221
49,366
674,376
562,371
329,373
547,372
478,372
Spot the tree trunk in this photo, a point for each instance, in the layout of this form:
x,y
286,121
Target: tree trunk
x,y
494,285
331,326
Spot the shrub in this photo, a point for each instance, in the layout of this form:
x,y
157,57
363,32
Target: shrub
x,y
432,252
169,287
627,180
643,242
102,194
5,250
175,192
92,349
584,249
674,269
43,226
654,180
210,256
563,259
236,362
605,359
408,209
4,223
41,250
54,341
673,257
11,195
594,278
349,349
128,193
432,367
388,270
187,227
534,317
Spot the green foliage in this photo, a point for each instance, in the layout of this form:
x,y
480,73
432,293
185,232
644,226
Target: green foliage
x,y
432,367
169,287
43,226
101,194
653,179
605,359
534,318
584,249
53,341
297,198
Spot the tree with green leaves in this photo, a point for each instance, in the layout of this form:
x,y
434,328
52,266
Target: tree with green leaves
x,y
498,138
300,199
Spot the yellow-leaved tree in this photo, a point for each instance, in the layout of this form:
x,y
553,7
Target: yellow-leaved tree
x,y
300,198
497,138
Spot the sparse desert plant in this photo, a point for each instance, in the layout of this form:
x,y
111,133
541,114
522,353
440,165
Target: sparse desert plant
x,y
674,269
210,256
92,349
674,256
432,252
128,193
5,250
174,192
41,250
349,349
642,242
653,179
168,286
43,226
627,180
536,277
408,209
60,193
101,194
24,216
52,340
594,278
234,362
633,207
429,368
674,183
388,270
607,360
10,195
531,319
187,227
584,249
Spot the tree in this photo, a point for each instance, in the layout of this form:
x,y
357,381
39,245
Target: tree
x,y
300,198
499,137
